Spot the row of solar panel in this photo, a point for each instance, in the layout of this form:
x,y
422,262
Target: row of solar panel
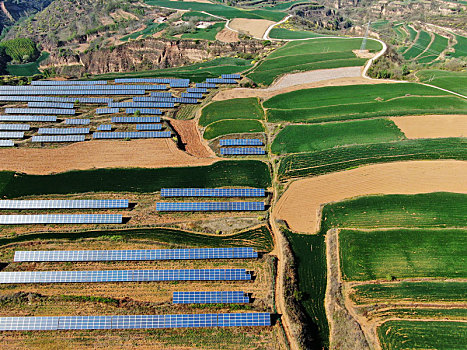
x,y
132,135
243,151
156,99
241,142
68,82
50,105
61,219
250,319
141,104
68,138
218,297
150,80
64,204
206,85
63,131
210,206
135,120
54,99
231,76
71,92
148,111
107,110
213,192
6,143
28,118
41,111
136,255
197,90
221,81
81,87
123,276
20,127
11,134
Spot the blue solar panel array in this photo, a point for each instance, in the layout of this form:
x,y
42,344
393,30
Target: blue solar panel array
x,y
197,90
206,85
41,111
191,95
28,118
61,219
123,276
160,94
221,81
141,104
135,119
68,82
104,127
243,151
241,142
250,319
21,127
51,105
185,100
210,206
132,135
150,80
55,99
64,204
82,88
146,111
67,138
77,121
231,76
148,127
224,297
137,255
71,92
11,134
107,110
6,143
153,99
213,192
179,84
63,131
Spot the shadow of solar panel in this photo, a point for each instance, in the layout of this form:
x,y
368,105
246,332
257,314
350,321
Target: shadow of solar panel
x,y
104,127
217,297
148,111
210,206
107,110
11,134
135,120
41,111
77,121
241,142
64,138
137,255
143,127
68,82
64,204
61,219
243,151
231,76
6,143
213,192
197,90
63,131
28,118
50,105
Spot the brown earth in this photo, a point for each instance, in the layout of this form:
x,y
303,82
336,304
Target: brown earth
x,y
432,126
153,153
301,204
227,36
189,133
254,27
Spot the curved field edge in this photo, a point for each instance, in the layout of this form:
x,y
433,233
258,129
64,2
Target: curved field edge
x,y
232,126
249,173
238,108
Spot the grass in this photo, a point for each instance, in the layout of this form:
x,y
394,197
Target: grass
x,y
282,33
396,334
205,34
453,81
343,158
27,69
151,28
460,49
402,253
232,126
239,108
223,173
335,103
419,46
317,137
310,256
439,44
309,55
427,210
195,72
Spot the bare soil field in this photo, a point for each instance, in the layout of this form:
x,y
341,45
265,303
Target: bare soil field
x,y
227,36
188,131
432,126
301,204
94,154
254,27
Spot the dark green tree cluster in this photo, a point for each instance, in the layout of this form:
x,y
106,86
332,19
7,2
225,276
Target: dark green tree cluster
x,y
21,50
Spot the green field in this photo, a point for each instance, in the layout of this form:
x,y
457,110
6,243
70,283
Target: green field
x,y
200,16
402,253
151,28
343,158
412,32
317,137
379,24
205,34
27,69
400,33
418,312
232,126
439,44
309,55
335,103
195,72
223,173
282,33
460,47
427,210
239,108
281,6
395,335
310,256
419,46
454,81
218,9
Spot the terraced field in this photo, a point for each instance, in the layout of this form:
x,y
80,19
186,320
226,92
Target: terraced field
x,y
310,55
151,28
420,45
439,44
205,34
453,81
282,33
460,49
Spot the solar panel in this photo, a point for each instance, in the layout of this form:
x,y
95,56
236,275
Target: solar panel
x,y
147,111
104,127
132,135
206,85
135,119
63,131
185,100
6,143
213,192
61,219
51,105
197,90
160,94
64,204
134,321
241,142
137,255
142,80
107,110
142,127
179,84
153,99
68,138
40,111
54,99
231,76
82,88
77,121
28,118
141,104
11,134
243,151
210,206
123,276
221,297
191,95
72,92
221,81
68,82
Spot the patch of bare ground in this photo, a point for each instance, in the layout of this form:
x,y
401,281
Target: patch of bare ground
x,y
254,27
301,204
191,138
432,126
120,14
227,36
364,53
94,154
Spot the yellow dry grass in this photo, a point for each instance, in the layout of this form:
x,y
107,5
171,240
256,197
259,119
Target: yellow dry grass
x,y
254,27
432,126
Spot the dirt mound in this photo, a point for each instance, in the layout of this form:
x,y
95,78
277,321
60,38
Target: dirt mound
x,y
227,36
432,126
153,153
254,27
188,131
300,205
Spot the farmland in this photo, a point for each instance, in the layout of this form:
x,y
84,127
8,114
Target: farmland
x,y
310,55
151,28
205,34
454,81
341,158
282,33
460,47
419,46
232,126
439,44
240,108
317,137
27,69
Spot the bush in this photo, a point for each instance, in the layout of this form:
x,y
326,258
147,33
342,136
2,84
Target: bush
x,y
21,50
